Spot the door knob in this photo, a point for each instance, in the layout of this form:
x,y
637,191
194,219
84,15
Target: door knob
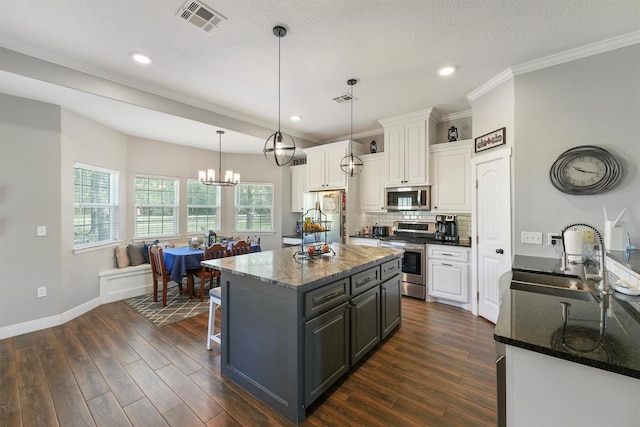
x,y
499,251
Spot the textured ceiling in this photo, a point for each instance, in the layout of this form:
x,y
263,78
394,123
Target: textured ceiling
x,y
393,47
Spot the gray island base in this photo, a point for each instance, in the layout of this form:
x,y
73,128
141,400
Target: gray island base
x,y
291,327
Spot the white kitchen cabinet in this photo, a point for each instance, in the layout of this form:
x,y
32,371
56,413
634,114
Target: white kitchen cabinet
x,y
451,182
323,165
406,148
298,187
449,273
372,183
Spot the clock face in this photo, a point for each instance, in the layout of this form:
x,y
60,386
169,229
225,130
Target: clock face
x,y
584,171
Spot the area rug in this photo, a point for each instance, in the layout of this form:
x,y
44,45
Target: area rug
x,y
179,307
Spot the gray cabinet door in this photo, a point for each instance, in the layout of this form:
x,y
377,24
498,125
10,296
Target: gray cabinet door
x,y
391,308
365,323
326,351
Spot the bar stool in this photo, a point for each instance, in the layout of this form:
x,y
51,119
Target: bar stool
x,y
215,301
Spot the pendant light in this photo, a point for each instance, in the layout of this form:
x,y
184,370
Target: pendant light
x,y
208,177
279,147
351,164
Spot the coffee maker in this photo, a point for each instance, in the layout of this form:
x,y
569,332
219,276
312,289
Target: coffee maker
x,y
446,228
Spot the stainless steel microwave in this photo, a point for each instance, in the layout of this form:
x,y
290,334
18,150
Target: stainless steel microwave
x,y
408,198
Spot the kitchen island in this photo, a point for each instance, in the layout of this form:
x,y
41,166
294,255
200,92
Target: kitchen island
x,y
567,361
291,327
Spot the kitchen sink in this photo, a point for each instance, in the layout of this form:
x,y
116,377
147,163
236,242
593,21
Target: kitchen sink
x,y
565,286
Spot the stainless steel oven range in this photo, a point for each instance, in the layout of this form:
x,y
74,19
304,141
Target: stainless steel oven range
x,y
412,237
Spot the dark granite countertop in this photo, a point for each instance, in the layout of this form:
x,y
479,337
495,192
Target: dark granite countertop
x,y
631,260
534,322
279,267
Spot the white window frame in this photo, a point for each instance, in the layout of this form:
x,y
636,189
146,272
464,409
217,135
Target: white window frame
x,y
113,205
175,206
237,207
216,206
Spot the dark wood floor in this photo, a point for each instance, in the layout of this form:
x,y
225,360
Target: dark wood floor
x,y
111,367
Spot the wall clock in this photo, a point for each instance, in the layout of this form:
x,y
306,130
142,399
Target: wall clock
x,y
586,169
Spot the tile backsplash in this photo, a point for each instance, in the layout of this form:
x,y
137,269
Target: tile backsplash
x,y
387,218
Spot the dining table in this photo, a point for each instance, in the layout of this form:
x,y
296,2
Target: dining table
x,y
177,261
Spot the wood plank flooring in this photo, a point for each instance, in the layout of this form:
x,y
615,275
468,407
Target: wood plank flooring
x,y
111,367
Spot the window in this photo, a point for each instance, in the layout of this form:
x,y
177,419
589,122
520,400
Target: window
x,y
254,207
95,205
156,204
203,207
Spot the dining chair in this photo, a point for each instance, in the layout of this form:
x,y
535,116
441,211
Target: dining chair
x,y
240,248
159,273
215,301
206,273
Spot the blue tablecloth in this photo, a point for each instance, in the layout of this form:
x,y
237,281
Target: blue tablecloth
x,y
178,260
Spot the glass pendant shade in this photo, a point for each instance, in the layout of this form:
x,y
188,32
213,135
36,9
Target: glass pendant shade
x,y
351,164
208,177
279,148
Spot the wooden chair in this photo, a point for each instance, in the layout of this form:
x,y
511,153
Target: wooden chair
x,y
241,248
159,273
215,301
205,273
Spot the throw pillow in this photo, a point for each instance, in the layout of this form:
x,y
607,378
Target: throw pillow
x,y
122,257
135,253
145,250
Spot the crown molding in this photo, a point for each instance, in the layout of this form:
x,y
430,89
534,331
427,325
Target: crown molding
x,y
454,116
504,76
556,59
578,53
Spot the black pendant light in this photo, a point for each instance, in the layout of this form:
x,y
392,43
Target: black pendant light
x,y
279,147
351,164
208,177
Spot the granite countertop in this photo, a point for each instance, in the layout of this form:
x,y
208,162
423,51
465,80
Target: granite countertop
x,y
631,260
534,322
279,266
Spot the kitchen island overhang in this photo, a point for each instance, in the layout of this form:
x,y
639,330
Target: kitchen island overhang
x,y
292,327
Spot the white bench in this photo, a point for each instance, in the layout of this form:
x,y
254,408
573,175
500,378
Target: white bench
x,y
127,282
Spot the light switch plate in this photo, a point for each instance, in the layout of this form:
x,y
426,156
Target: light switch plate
x,y
531,237
41,230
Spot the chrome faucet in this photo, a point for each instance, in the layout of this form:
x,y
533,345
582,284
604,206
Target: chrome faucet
x,y
602,271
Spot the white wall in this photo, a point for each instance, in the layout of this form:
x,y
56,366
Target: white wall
x,y
29,197
590,101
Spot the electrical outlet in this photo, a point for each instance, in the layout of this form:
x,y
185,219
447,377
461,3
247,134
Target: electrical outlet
x,y
42,291
531,237
554,239
588,236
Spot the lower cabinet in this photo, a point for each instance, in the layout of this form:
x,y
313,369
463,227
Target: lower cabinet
x,y
449,273
390,303
365,323
326,351
338,338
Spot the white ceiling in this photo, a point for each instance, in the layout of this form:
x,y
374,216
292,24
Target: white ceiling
x,y
393,47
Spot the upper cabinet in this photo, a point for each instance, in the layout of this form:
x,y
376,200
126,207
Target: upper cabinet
x,y
298,187
451,183
323,165
406,148
372,183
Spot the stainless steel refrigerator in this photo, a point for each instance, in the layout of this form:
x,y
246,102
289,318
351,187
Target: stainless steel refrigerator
x,y
333,205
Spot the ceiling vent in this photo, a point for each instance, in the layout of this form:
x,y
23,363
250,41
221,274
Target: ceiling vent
x,y
200,15
344,98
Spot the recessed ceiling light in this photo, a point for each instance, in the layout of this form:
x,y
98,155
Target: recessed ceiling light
x,y
296,118
446,71
141,58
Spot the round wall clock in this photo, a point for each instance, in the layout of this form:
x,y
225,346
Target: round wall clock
x,y
585,170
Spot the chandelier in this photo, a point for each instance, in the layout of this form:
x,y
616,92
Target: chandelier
x,y
208,177
279,147
351,164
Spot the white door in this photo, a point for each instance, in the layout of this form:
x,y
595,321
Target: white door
x,y
492,225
